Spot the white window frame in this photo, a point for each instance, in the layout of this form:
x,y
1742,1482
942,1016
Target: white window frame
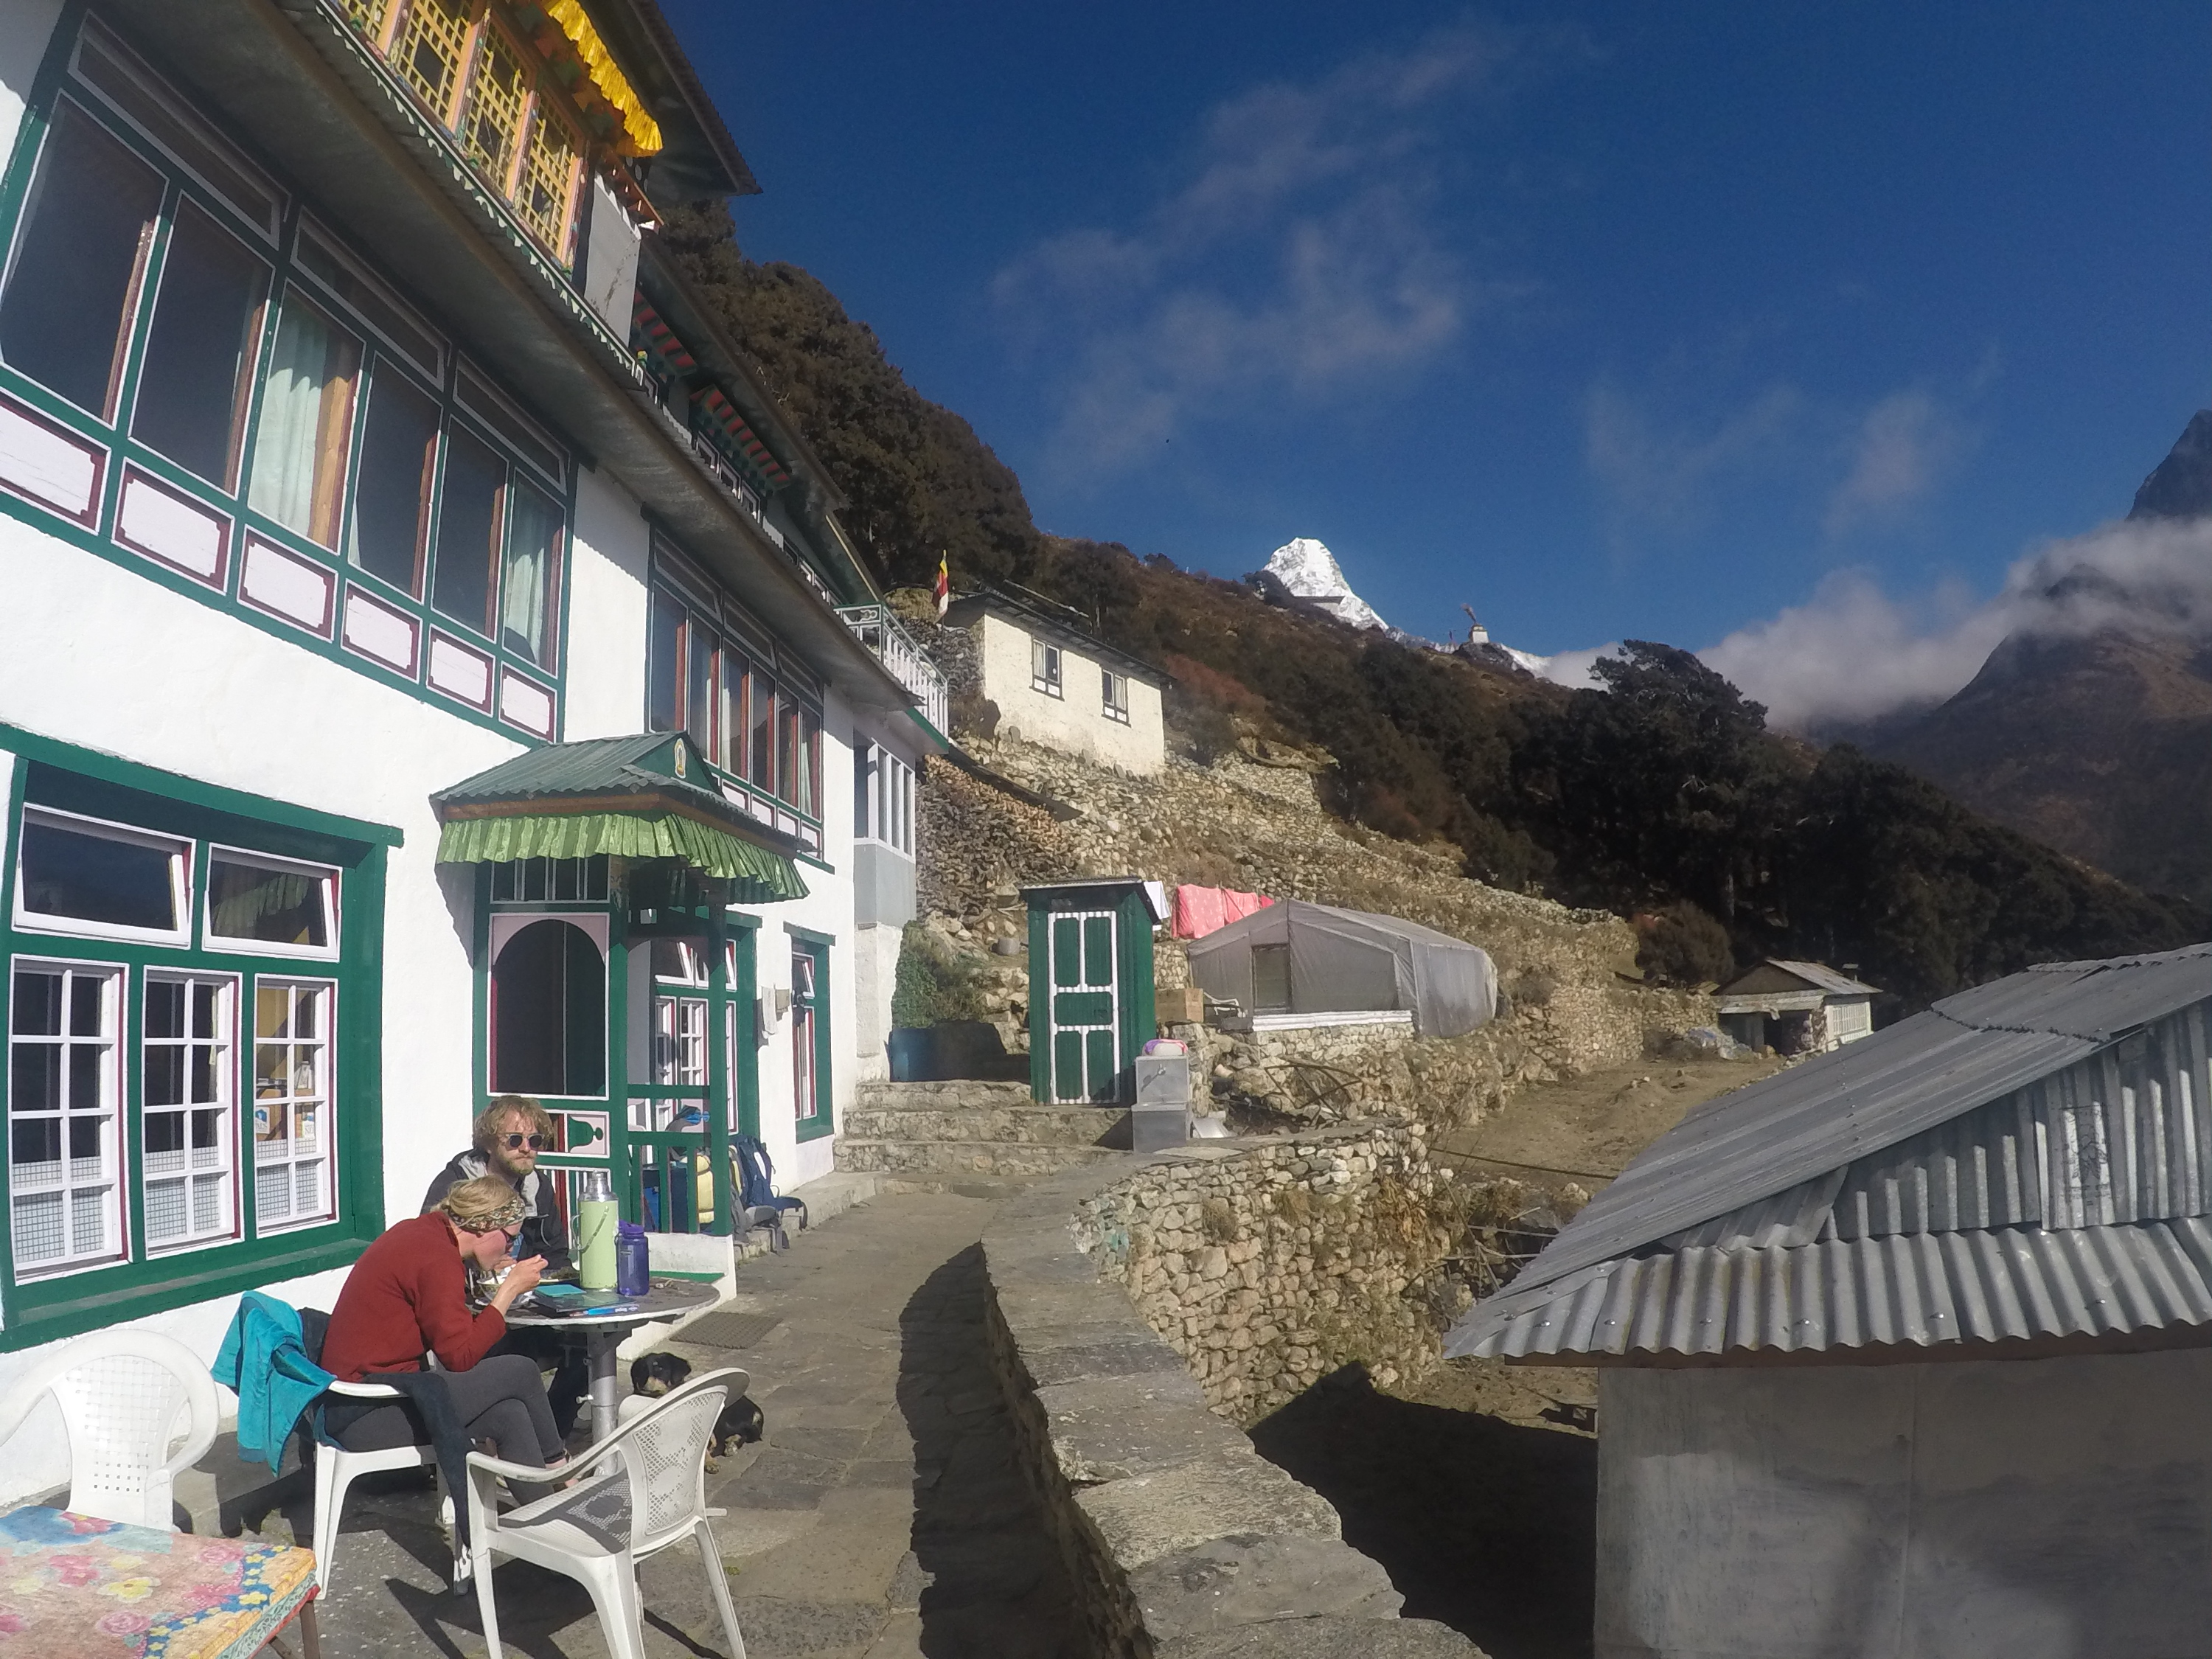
x,y
224,1166
1115,690
116,1243
327,1094
231,945
806,1102
889,795
1048,668
181,851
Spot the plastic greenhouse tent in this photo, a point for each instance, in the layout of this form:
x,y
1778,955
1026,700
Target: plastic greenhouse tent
x,y
1297,957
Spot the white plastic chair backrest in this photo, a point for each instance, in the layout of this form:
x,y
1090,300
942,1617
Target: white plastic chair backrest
x,y
664,1454
120,1392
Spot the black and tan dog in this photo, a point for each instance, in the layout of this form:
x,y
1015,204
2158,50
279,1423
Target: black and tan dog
x,y
652,1375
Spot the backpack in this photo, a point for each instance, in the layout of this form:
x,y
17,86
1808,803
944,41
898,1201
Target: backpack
x,y
756,1194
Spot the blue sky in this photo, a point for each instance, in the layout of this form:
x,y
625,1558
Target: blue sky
x,y
1613,320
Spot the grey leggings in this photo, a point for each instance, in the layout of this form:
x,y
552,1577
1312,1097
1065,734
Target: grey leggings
x,y
501,1399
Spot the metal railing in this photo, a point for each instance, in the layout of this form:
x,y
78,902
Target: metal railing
x,y
879,628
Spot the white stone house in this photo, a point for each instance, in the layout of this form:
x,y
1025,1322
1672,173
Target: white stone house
x,y
1057,685
356,447
1796,1007
1902,1351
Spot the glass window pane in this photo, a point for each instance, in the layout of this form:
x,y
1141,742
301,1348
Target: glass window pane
x,y
276,906
761,742
391,499
85,225
530,588
306,423
382,312
219,167
699,685
810,742
206,317
468,531
548,1012
76,872
38,1004
733,757
788,778
663,650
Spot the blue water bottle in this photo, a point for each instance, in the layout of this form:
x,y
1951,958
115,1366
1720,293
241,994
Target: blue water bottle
x,y
633,1261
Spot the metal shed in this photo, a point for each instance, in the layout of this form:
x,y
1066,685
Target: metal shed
x,y
1901,1349
1295,956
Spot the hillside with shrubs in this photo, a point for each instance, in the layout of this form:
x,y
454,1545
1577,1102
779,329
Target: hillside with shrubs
x,y
1662,797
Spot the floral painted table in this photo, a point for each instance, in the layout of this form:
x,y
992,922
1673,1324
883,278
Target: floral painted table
x,y
76,1585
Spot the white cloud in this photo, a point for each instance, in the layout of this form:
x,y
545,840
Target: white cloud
x,y
1899,451
1302,259
1851,653
1854,653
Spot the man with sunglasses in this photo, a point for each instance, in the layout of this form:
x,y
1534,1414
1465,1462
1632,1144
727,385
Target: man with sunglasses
x,y
509,1133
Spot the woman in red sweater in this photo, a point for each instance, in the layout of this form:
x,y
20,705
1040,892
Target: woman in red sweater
x,y
408,1297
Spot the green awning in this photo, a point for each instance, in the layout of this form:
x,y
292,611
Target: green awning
x,y
764,876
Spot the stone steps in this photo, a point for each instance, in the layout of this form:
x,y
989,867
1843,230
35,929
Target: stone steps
x,y
964,1157
963,1092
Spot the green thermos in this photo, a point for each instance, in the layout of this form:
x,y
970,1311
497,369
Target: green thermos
x,y
596,1218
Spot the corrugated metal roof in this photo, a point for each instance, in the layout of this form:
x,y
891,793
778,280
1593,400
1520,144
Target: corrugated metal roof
x,y
1922,1289
556,768
1823,977
1884,1136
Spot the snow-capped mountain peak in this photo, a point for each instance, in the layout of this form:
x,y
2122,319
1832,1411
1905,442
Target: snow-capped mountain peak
x,y
1310,571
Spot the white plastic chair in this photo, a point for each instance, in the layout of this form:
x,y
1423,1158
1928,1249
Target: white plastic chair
x,y
120,1392
644,1487
336,1468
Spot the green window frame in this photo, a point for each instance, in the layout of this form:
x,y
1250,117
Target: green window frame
x,y
181,1153
331,356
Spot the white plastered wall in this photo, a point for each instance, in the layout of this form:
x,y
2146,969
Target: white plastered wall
x,y
1075,721
827,909
607,606
103,658
1972,1510
876,948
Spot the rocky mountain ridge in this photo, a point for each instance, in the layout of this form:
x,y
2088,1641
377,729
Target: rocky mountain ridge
x,y
2097,742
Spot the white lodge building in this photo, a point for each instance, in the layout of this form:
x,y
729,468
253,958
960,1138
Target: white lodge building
x,y
1058,686
372,494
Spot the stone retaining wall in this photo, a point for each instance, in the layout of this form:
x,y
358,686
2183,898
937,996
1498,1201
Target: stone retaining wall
x,y
1182,1543
1269,1264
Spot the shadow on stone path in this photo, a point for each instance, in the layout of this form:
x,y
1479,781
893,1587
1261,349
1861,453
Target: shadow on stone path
x,y
883,1517
995,1581
1487,1526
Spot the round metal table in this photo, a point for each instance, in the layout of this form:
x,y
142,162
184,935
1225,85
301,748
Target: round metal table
x,y
668,1299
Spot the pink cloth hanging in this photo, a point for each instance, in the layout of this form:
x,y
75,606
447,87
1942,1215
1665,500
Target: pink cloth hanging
x,y
1201,910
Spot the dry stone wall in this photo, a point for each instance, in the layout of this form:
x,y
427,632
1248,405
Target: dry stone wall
x,y
1266,1265
978,844
1182,1542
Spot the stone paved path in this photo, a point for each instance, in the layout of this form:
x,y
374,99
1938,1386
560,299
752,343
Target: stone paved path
x,y
881,1518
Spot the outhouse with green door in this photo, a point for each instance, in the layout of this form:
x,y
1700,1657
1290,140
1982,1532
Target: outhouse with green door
x,y
1091,985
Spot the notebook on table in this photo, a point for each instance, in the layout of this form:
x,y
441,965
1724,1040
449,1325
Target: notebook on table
x,y
571,1299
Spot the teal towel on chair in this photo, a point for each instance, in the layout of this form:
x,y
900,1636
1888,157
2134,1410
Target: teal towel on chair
x,y
264,1362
